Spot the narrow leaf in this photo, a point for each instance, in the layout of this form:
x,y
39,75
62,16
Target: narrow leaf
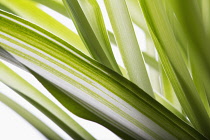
x,y
45,105
128,45
89,22
38,124
174,65
189,15
95,87
30,11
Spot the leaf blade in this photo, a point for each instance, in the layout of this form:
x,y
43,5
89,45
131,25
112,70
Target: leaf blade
x,y
95,87
30,11
46,106
88,19
128,45
38,124
174,65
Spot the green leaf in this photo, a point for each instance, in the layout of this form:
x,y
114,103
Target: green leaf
x,y
174,65
77,108
150,60
128,45
89,22
100,90
30,11
2,7
203,92
55,5
168,91
137,15
171,107
153,70
205,5
46,106
187,53
189,14
58,7
61,96
33,120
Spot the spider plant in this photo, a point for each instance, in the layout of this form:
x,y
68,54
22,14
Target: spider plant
x,y
161,92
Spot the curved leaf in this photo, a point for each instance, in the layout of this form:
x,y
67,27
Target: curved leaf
x,y
46,106
174,65
128,45
95,87
38,124
88,20
30,11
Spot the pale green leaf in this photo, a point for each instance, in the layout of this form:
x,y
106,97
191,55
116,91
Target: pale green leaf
x,y
30,11
174,65
168,91
137,15
127,43
35,97
58,7
194,25
89,22
33,120
186,50
92,85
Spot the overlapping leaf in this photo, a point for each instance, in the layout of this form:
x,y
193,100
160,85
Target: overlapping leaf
x,y
88,20
95,87
174,65
46,106
38,124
